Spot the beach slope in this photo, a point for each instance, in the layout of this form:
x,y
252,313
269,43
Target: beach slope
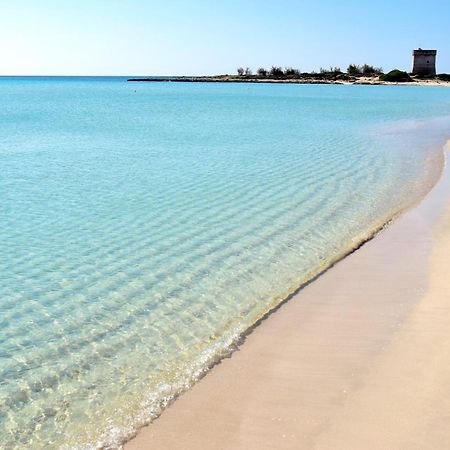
x,y
360,358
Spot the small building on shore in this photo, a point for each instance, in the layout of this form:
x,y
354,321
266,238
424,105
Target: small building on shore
x,y
424,62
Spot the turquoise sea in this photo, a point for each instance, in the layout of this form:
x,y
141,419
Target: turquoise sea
x,y
145,226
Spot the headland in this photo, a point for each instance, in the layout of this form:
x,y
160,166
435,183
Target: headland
x,y
308,78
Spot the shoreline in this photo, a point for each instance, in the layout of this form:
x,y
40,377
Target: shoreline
x,y
361,81
213,389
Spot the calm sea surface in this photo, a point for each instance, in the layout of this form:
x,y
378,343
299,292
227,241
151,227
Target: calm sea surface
x,y
145,226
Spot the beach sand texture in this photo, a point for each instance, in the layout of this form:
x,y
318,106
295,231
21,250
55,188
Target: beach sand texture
x,y
359,359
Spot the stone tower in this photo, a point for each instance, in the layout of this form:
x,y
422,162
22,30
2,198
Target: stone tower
x,y
424,62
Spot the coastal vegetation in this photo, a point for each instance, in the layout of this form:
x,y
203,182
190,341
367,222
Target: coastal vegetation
x,y
354,74
247,71
365,70
396,76
278,73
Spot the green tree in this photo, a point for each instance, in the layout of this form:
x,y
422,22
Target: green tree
x,y
262,72
354,70
371,70
291,72
276,72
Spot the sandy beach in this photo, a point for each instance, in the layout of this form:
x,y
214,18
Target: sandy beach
x,y
360,358
224,225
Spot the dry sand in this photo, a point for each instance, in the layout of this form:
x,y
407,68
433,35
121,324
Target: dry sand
x,y
358,359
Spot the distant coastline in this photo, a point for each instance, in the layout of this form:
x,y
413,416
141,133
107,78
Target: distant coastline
x,y
354,74
310,79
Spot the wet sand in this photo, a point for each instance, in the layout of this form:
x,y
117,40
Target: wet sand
x,y
358,359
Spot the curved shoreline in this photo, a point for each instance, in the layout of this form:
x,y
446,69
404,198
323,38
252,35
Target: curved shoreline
x,y
144,437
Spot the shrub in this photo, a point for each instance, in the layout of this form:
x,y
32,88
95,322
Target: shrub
x,y
343,77
240,71
354,70
395,76
276,72
444,76
331,71
366,70
371,70
262,72
291,73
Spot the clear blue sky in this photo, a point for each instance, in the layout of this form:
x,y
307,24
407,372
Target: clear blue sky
x,y
149,37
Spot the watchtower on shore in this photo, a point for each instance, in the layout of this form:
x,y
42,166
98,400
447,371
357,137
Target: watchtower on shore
x,y
424,62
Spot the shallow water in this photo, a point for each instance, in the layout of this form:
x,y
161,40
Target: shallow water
x,y
145,226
